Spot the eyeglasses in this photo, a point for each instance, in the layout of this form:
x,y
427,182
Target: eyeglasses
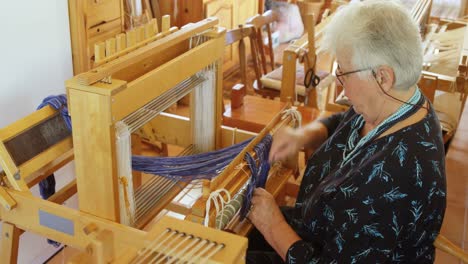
x,y
338,74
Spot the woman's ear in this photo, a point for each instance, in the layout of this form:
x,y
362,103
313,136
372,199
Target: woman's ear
x,y
385,77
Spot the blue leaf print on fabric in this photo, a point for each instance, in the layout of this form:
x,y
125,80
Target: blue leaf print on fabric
x,y
291,258
390,139
371,230
421,251
369,153
348,191
325,170
310,170
352,214
420,238
396,257
440,192
328,213
339,241
416,210
426,126
394,194
329,189
311,226
309,188
368,200
378,171
328,144
396,228
344,226
400,150
432,190
418,171
372,211
435,167
429,145
341,146
360,255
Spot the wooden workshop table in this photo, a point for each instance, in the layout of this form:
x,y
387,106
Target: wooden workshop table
x,y
256,112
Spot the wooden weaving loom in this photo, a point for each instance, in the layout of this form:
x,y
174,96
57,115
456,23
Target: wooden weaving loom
x,y
98,100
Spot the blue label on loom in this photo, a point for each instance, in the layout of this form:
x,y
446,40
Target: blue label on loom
x,y
56,222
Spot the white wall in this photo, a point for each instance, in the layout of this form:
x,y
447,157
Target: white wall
x,y
35,55
35,61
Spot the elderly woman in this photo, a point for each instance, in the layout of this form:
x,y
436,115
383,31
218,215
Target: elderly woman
x,y
374,190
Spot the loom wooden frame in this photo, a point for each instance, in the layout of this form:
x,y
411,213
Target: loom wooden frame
x,y
96,103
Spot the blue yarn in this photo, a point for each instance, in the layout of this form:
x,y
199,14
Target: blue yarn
x,y
187,168
47,185
200,166
259,172
58,102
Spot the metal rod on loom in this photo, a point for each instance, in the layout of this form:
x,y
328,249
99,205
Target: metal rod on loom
x,y
161,103
151,199
143,190
148,203
147,114
145,199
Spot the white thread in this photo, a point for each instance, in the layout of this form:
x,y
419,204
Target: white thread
x,y
216,197
295,115
185,249
216,250
124,170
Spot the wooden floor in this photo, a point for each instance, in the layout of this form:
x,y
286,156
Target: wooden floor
x,y
456,215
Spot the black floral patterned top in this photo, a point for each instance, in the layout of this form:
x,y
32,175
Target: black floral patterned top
x,y
386,205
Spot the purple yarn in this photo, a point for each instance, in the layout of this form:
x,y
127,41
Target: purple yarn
x,y
58,102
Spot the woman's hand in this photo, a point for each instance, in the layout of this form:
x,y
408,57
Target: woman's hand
x,y
264,212
286,142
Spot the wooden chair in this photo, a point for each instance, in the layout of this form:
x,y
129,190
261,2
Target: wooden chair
x,y
442,243
268,76
238,90
269,83
262,59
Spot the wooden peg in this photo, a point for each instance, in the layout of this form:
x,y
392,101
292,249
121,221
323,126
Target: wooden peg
x,y
151,28
110,47
131,38
165,23
121,42
99,51
90,228
140,35
237,95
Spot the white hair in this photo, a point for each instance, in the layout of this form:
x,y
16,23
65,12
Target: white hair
x,y
377,32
